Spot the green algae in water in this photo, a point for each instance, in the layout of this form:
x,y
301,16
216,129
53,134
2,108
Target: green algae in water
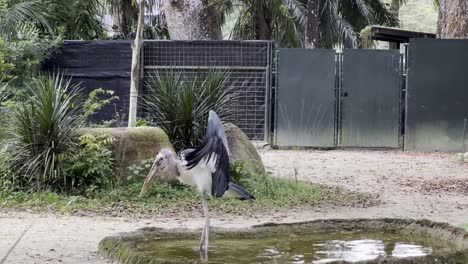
x,y
310,248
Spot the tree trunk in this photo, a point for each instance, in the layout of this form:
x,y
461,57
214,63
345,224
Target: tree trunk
x,y
453,19
135,71
192,20
311,34
261,22
126,18
123,17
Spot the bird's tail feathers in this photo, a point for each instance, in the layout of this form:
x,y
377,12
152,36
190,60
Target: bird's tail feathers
x,y
239,192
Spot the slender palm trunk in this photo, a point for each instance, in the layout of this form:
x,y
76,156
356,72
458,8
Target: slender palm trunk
x,y
311,35
135,71
453,19
192,20
123,17
261,22
126,17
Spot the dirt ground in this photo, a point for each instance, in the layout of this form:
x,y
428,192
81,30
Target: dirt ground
x,y
409,185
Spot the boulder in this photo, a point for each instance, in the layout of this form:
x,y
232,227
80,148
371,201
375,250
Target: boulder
x,y
242,149
132,144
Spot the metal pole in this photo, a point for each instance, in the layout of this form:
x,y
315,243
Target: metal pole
x,y
464,135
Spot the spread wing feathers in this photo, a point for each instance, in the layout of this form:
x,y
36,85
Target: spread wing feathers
x,y
213,152
184,153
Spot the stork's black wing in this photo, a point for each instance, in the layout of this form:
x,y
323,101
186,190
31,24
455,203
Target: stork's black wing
x,y
184,153
214,152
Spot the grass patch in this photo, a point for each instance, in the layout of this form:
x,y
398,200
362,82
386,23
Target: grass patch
x,y
271,194
465,226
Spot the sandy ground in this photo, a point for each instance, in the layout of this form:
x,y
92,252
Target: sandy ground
x,y
409,185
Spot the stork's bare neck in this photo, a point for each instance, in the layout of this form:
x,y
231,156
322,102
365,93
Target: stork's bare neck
x,y
173,167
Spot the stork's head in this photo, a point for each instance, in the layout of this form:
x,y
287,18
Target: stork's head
x,y
161,165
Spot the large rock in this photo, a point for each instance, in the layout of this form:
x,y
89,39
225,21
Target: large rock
x,y
132,144
243,150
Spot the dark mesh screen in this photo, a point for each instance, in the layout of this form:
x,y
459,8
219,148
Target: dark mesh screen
x,y
247,63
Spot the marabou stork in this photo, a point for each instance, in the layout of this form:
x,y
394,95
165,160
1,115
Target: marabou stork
x,y
205,167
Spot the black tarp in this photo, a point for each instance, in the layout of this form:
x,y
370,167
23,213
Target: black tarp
x,y
97,64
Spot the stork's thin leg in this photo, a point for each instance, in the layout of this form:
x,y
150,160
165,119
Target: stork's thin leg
x,y
206,229
202,240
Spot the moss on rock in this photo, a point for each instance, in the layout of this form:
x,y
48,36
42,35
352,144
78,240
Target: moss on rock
x,y
243,150
132,144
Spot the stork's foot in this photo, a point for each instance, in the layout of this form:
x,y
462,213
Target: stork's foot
x,y
203,248
203,251
202,240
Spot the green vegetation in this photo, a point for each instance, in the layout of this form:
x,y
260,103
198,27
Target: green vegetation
x,y
271,194
339,22
95,102
180,105
41,130
42,152
91,165
22,55
76,19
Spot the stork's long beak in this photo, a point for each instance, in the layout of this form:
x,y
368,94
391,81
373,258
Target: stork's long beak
x,y
152,175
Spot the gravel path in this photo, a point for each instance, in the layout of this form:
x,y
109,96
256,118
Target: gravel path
x,y
409,185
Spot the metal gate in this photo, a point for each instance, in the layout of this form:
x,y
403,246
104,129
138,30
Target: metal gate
x,y
370,98
437,97
305,99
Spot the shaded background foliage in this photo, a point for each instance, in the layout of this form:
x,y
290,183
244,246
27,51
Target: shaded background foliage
x,y
284,21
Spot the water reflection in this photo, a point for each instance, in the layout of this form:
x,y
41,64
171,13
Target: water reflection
x,y
405,250
365,249
317,248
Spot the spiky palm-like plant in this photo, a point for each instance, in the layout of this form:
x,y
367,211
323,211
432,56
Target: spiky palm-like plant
x,y
42,128
180,105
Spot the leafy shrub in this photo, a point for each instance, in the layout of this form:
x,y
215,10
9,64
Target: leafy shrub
x,y
8,177
42,128
180,105
238,172
96,101
3,111
45,152
140,170
5,67
92,164
25,53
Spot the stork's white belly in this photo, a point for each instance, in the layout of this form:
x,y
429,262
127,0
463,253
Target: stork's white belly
x,y
199,176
